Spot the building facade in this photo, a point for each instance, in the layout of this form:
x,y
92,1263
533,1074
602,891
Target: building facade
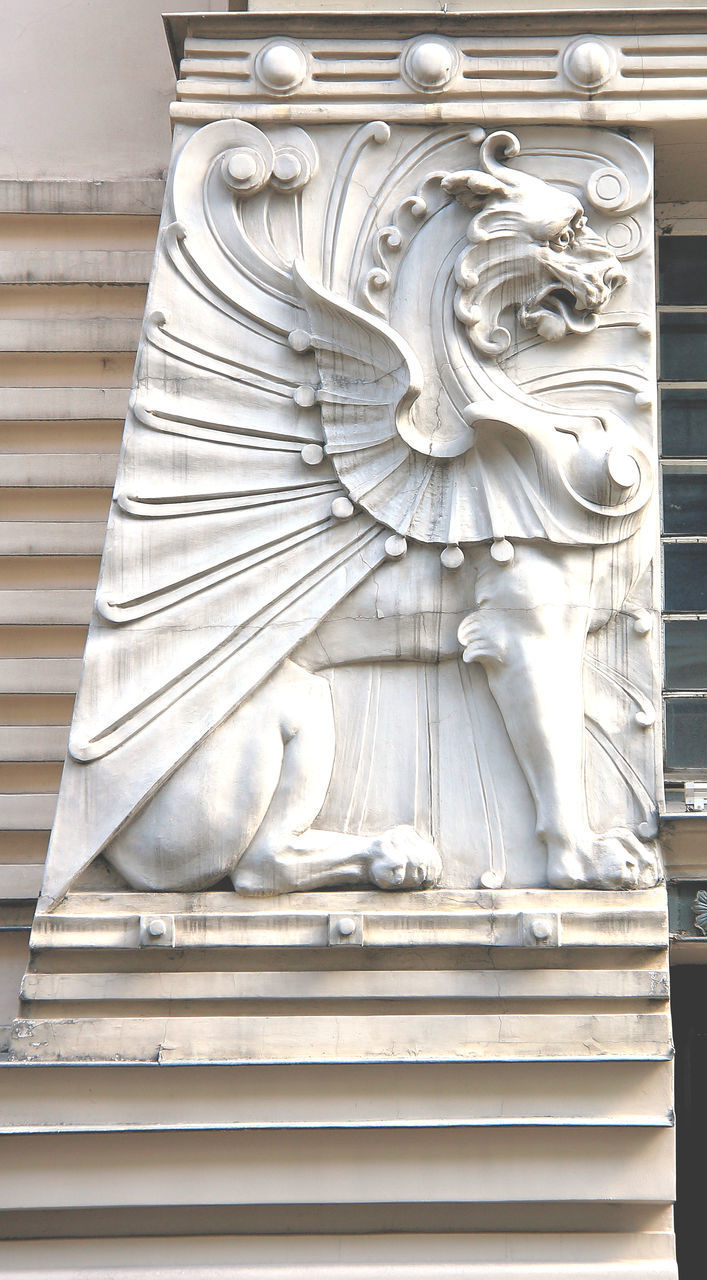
x,y
478,1082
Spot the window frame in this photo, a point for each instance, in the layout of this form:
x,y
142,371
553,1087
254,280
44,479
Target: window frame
x,y
683,220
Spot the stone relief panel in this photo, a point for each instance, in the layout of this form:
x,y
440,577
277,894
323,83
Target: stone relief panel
x,y
375,603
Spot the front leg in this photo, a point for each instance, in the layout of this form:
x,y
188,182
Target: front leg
x,y
529,632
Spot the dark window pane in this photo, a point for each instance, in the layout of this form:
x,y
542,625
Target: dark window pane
x,y
686,655
682,270
683,347
684,500
686,733
688,1005
683,422
686,578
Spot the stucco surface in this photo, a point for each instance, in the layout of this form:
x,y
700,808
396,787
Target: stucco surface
x,y
86,87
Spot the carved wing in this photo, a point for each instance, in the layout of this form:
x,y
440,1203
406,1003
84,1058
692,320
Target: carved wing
x,y
222,549
370,381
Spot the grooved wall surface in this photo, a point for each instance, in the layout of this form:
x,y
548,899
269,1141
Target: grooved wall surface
x,y
75,259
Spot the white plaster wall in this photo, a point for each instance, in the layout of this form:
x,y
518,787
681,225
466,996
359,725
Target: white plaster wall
x,y
85,95
86,87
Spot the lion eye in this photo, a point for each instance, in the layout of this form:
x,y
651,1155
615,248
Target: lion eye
x,y
564,240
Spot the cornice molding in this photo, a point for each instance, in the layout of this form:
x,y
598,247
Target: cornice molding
x,y
591,67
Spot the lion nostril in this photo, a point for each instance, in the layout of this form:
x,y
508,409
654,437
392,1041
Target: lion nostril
x,y
614,278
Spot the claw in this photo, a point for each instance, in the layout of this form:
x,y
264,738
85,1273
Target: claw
x,y
614,860
401,859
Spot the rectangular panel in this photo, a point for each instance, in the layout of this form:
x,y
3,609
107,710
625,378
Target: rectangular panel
x,y
686,578
683,347
385,429
686,733
682,264
685,499
683,422
686,654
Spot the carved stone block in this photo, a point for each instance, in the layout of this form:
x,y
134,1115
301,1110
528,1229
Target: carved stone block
x,y
376,600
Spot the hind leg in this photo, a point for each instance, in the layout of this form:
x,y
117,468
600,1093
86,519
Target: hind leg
x,y
287,854
195,829
243,804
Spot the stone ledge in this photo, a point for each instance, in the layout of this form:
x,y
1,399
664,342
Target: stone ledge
x,y
131,196
539,919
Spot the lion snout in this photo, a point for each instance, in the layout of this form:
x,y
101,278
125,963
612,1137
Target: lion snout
x,y
614,277
594,290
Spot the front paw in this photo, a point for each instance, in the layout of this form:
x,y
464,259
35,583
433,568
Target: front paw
x,y
400,859
615,860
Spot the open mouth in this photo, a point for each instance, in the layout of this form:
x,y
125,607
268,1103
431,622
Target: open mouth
x,y
555,311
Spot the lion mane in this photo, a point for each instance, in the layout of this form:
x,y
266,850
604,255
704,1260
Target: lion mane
x,y
531,252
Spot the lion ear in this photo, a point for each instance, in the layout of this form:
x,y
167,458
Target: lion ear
x,y
474,182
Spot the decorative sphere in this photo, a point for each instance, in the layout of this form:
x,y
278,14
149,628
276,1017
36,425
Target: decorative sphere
x,y
452,557
300,340
430,64
502,551
623,469
281,67
541,929
395,546
304,396
242,166
589,63
342,508
312,454
286,166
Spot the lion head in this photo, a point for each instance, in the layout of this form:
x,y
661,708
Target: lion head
x,y
531,252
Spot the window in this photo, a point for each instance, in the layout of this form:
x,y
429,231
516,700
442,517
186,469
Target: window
x,y
682,297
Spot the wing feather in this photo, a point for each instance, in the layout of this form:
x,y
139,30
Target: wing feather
x,y
222,553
